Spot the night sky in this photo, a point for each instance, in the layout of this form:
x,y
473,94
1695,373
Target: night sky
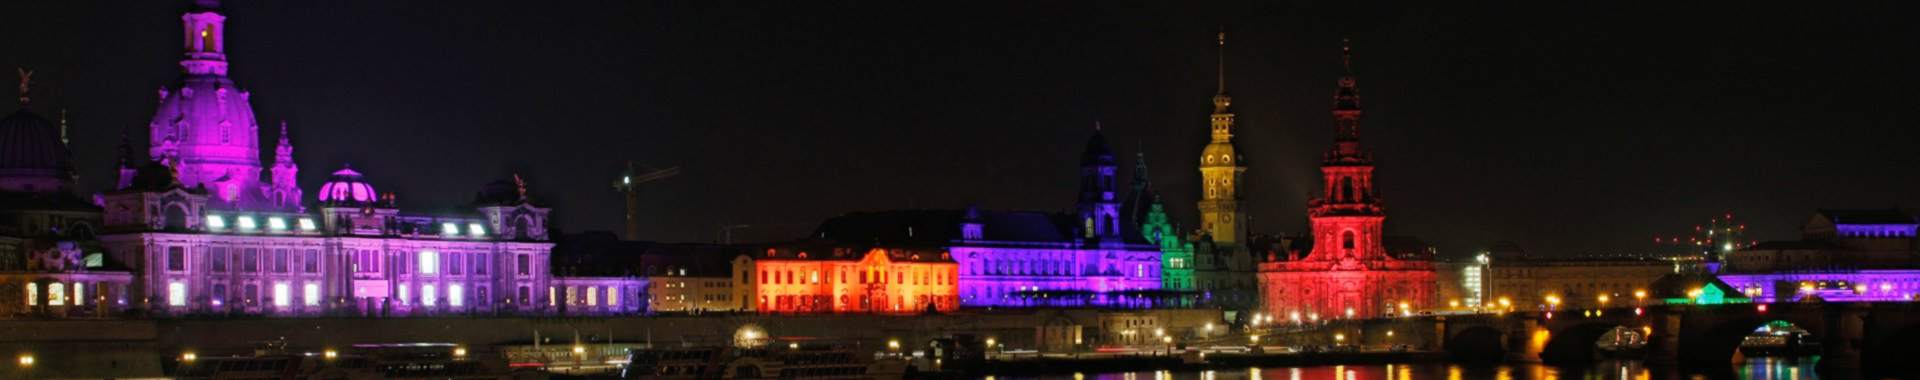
x,y
1570,129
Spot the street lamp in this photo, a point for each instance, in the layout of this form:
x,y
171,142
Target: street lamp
x,y
1255,339
26,360
1349,313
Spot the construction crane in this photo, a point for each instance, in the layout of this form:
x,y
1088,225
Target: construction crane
x,y
629,181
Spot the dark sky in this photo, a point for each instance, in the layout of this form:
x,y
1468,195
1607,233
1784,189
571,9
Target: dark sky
x,y
1569,129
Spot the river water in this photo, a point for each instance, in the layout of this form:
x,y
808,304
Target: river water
x,y
1755,369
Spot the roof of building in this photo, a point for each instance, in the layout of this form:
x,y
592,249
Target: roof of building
x,y
1681,285
1869,216
939,228
600,253
825,250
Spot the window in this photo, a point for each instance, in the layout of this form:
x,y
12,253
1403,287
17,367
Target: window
x,y
33,294
250,262
176,294
593,296
282,295
479,263
253,293
79,294
310,294
763,277
219,294
480,294
399,262
403,294
312,261
453,263
176,259
56,294
1346,240
429,264
219,258
526,295
427,297
613,296
523,268
456,296
280,260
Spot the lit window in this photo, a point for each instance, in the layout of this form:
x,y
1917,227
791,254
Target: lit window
x,y
282,295
310,294
33,294
550,295
306,224
475,229
277,224
403,294
456,295
593,296
246,223
56,294
449,229
176,294
216,222
429,262
426,295
79,294
613,296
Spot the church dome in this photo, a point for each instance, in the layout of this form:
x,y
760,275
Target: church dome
x,y
349,187
30,150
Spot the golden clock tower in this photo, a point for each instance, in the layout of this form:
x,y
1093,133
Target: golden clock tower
x,y
1221,169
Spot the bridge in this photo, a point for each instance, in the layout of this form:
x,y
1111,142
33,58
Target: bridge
x,y
1851,335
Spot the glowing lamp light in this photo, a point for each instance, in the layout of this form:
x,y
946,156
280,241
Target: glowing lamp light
x,y
1339,337
216,222
1886,287
460,352
579,349
246,223
188,357
306,224
277,224
1549,315
1167,340
1209,326
330,354
449,229
793,346
1255,339
1349,313
1761,308
475,229
26,360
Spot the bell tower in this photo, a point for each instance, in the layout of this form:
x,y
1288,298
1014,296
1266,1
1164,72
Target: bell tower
x,y
1347,217
1221,167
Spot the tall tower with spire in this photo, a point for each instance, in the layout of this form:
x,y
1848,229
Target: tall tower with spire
x,y
1221,166
1346,219
285,189
205,127
1099,203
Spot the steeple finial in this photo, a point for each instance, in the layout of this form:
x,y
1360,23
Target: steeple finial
x,y
26,80
63,127
1222,64
1346,54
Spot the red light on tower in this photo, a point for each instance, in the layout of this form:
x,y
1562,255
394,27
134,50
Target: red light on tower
x,y
1761,307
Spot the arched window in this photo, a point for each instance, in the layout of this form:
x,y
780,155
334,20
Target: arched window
x,y
1346,240
523,228
1346,189
176,218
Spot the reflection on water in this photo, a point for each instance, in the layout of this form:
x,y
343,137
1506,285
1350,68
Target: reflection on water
x,y
1753,369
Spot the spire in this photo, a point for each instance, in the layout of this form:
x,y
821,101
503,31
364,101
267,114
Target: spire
x,y
283,153
26,80
1140,180
1220,99
63,127
1222,67
1346,98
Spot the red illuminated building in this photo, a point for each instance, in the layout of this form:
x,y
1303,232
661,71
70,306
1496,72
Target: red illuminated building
x,y
851,280
1349,273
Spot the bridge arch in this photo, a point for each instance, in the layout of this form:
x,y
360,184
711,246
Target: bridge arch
x,y
1477,344
1716,339
1576,345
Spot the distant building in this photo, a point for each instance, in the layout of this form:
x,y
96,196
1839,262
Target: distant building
x,y
1526,283
1350,270
50,264
1843,255
807,278
679,277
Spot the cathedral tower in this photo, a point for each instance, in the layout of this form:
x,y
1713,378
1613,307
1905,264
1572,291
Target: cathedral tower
x,y
1347,217
1221,167
1099,204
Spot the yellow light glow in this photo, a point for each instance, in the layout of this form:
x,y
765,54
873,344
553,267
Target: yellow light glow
x,y
1339,337
26,360
895,344
330,353
188,357
579,349
460,352
1640,294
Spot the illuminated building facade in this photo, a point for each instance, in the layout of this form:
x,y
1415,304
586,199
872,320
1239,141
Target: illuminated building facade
x,y
1223,265
1146,218
680,277
200,225
825,279
1349,271
49,264
1843,256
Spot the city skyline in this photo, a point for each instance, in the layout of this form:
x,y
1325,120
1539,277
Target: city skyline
x,y
951,115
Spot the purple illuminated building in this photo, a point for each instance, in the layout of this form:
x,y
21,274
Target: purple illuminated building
x,y
1844,256
200,225
1095,256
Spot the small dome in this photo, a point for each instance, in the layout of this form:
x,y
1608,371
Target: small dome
x,y
30,146
347,186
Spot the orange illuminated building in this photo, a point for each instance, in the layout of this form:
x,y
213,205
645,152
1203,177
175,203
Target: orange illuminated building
x,y
853,280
